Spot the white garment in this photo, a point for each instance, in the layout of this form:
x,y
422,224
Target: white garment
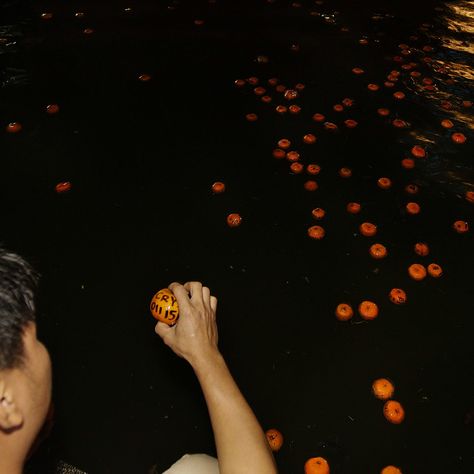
x,y
194,464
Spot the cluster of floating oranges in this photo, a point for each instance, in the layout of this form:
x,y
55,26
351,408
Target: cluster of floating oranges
x,y
16,127
368,310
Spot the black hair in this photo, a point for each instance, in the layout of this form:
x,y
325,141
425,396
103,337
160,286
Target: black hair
x,y
18,282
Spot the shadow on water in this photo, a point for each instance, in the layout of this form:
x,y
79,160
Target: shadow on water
x,y
141,157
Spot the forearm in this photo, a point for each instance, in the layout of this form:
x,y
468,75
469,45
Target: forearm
x,y
240,441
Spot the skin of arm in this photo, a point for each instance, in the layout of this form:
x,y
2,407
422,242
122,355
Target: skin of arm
x,y
241,444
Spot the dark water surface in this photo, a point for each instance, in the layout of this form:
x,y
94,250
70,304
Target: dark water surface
x,y
141,157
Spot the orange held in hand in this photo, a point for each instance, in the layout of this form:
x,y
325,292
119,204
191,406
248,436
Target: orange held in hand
x,y
317,465
275,439
164,307
383,389
394,412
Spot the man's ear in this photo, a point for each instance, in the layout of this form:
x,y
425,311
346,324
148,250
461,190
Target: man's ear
x,y
11,417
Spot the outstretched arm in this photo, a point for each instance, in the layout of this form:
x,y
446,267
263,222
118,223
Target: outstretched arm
x,y
240,441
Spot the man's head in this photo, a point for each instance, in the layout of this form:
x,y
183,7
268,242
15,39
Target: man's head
x,y
25,368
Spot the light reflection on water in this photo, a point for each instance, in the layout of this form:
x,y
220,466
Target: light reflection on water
x,y
453,73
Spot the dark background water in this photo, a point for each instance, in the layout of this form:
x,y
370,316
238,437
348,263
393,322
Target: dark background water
x,y
141,158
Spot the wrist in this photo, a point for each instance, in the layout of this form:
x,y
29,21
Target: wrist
x,y
206,360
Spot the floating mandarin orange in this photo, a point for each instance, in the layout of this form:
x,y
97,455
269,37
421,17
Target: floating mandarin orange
x,y
234,220
318,213
384,183
88,31
313,169
347,102
393,412
296,167
345,172
417,271
373,87
368,229
338,108
294,109
309,139
391,470
79,14
389,84
368,310
281,109
273,81
164,307
399,95
278,153
198,22
350,123
310,185
467,104
319,118
413,208
434,270
144,77
46,16
284,143
353,208
446,105
14,127
259,90
266,99
397,296
218,187
293,156
239,82
415,74
458,138
290,94
299,86
251,117
418,151
280,88
383,389
411,189
358,70
408,163
363,42
330,126
316,232
344,312
469,196
461,227
63,187
253,80
275,439
383,112
422,249
378,251
316,465
52,109
399,123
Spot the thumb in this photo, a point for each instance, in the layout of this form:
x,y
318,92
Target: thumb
x,y
163,330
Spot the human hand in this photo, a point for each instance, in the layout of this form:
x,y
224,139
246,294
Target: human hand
x,y
194,336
